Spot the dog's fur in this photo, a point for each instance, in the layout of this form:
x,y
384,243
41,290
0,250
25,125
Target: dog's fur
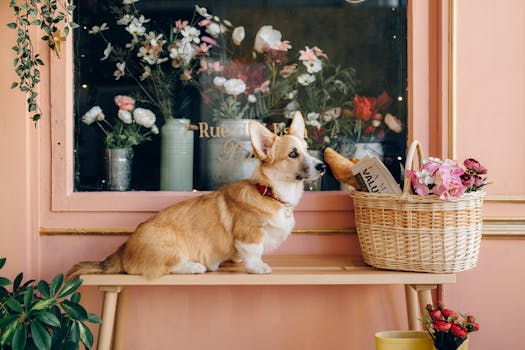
x,y
237,222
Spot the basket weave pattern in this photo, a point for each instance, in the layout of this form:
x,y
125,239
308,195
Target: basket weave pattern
x,y
419,233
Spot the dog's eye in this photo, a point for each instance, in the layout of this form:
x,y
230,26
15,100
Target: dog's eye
x,y
293,154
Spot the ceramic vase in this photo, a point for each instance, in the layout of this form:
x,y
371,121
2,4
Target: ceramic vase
x,y
314,185
176,163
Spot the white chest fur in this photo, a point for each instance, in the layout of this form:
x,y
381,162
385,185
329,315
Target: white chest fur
x,y
278,229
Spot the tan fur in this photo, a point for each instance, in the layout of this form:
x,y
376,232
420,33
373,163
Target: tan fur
x,y
206,229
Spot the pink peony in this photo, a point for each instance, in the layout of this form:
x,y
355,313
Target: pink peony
x,y
125,102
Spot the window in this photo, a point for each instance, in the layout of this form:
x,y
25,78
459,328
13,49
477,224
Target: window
x,y
366,40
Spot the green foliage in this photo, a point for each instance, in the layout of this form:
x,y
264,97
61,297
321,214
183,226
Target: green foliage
x,y
45,316
49,16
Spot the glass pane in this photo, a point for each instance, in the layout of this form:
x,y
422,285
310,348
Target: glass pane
x,y
342,64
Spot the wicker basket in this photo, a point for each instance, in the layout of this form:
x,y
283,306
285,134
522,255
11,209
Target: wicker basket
x,y
419,233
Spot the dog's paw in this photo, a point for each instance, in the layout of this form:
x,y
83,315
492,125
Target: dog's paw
x,y
258,267
188,267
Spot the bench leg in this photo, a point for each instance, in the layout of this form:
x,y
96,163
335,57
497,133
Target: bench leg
x,y
418,296
109,309
118,335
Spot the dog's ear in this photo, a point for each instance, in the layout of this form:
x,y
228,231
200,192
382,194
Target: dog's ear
x,y
262,140
297,127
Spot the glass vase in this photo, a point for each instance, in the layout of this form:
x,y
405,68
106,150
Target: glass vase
x,y
314,185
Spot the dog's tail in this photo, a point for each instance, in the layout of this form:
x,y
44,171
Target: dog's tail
x,y
111,264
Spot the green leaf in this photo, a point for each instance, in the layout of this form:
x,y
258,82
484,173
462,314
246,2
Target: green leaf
x,y
11,25
76,297
2,262
41,338
7,320
8,331
94,318
19,337
56,283
18,280
43,304
14,85
75,311
73,25
28,297
14,305
70,287
48,318
86,337
68,346
4,282
43,288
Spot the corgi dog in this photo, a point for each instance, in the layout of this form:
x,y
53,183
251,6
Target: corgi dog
x,y
238,222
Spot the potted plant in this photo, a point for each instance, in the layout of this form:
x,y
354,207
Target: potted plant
x,y
133,126
49,16
43,315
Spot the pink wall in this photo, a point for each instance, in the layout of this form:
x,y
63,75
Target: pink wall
x,y
490,85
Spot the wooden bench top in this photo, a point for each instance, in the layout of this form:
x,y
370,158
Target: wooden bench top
x,y
287,270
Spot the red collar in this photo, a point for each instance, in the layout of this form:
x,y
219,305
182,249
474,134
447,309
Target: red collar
x,y
267,191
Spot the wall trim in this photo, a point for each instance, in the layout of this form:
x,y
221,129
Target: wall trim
x,y
492,227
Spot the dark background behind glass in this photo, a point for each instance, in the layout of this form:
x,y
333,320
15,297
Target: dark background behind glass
x,y
370,36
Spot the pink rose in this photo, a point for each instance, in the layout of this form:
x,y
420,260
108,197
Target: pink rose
x,y
448,313
458,331
442,326
419,188
467,180
125,102
478,181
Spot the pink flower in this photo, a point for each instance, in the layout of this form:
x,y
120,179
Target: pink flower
x,y
288,70
205,22
263,88
307,54
209,40
179,26
467,180
318,52
420,188
478,181
442,326
125,102
458,331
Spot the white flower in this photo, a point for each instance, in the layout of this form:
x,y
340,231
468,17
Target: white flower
x,y
203,12
125,20
291,95
129,2
135,28
107,51
147,54
183,51
228,23
375,123
154,39
290,109
95,113
213,29
97,29
424,177
312,116
393,123
154,129
267,37
252,98
125,116
121,68
238,35
145,74
234,87
143,19
306,79
313,66
132,43
315,123
331,114
219,81
191,34
144,117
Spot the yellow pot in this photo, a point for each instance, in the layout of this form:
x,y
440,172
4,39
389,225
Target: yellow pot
x,y
403,340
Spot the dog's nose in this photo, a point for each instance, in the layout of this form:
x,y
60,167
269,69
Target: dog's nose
x,y
321,167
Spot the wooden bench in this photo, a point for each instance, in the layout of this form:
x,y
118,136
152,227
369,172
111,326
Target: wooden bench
x,y
287,270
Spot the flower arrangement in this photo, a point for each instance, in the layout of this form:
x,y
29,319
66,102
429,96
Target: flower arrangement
x,y
133,126
163,65
372,120
320,91
446,178
448,328
244,81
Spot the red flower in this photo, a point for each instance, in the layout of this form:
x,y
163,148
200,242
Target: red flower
x,y
458,331
449,313
364,107
442,326
435,314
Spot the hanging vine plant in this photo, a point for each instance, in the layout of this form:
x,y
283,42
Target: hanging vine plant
x,y
54,19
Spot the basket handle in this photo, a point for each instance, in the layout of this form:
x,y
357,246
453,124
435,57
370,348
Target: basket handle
x,y
414,146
